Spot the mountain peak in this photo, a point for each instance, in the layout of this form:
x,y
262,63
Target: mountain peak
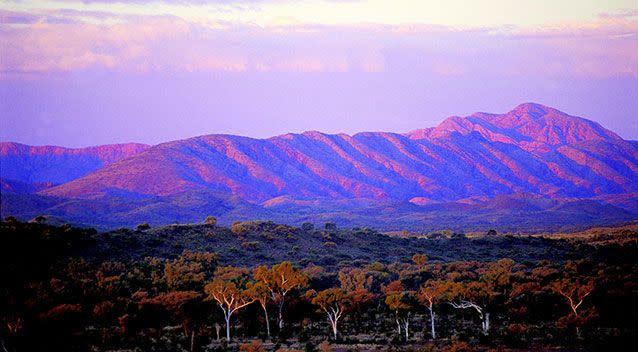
x,y
532,109
533,126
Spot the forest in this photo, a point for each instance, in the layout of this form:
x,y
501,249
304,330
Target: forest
x,y
261,286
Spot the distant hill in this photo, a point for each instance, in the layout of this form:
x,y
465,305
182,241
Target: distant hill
x,y
57,165
533,164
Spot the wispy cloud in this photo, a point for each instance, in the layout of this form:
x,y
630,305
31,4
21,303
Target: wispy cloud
x,y
64,40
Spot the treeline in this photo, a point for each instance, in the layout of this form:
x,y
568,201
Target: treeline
x,y
54,299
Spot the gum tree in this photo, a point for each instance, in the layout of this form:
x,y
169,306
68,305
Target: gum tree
x,y
574,292
230,289
400,301
333,302
260,292
280,280
429,293
474,295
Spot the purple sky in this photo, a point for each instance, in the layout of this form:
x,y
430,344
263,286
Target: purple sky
x,y
74,74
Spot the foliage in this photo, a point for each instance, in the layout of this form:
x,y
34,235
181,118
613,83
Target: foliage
x,y
71,289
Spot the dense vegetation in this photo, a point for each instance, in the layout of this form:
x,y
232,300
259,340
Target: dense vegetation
x,y
262,286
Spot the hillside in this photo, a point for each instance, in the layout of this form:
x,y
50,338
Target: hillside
x,y
56,165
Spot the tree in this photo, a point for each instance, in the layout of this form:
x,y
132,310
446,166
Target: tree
x,y
230,290
574,292
359,284
210,220
177,304
280,280
189,270
428,295
499,275
420,260
475,295
333,302
400,302
260,292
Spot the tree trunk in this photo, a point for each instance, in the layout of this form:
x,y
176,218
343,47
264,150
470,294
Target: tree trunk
x,y
267,321
280,320
486,323
334,328
406,325
398,323
432,331
228,327
192,340
4,348
217,330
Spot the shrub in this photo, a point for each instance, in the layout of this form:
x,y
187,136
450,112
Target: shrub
x,y
238,229
253,346
210,220
429,347
459,346
143,226
250,245
39,219
325,347
11,219
307,226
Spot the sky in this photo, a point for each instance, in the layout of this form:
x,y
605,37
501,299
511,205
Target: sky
x,y
80,73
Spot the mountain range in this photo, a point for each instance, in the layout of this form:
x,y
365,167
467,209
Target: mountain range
x,y
533,164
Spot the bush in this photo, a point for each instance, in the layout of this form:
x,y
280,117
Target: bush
x,y
253,346
143,226
238,228
459,346
307,226
11,219
429,347
210,220
325,347
250,245
39,219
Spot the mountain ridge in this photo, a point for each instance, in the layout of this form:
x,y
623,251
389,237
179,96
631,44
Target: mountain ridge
x,y
530,152
563,156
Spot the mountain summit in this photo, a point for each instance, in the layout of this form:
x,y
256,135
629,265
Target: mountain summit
x,y
528,125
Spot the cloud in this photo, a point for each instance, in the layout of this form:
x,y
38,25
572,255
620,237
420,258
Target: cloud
x,y
627,13
70,40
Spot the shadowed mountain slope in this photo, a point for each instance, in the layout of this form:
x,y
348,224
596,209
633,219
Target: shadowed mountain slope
x,y
56,165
